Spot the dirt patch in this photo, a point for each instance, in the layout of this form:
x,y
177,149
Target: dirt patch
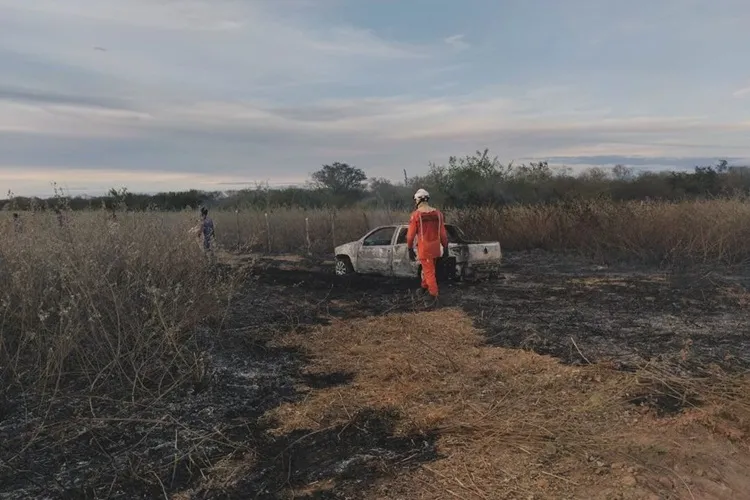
x,y
518,425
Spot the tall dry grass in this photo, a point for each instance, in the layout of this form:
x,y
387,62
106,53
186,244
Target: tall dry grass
x,y
102,306
287,230
690,232
109,305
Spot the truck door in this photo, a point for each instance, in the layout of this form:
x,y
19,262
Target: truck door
x,y
376,252
402,266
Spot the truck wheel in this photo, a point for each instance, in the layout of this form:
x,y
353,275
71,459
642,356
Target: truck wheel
x,y
344,266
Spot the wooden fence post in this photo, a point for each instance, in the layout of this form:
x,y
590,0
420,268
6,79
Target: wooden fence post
x,y
239,236
268,233
307,236
333,228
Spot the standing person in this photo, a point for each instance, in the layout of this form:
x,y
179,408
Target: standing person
x,y
207,233
427,231
17,224
60,217
113,223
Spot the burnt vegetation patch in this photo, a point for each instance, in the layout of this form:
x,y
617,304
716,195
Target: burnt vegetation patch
x,y
666,400
557,305
624,316
335,462
112,446
327,380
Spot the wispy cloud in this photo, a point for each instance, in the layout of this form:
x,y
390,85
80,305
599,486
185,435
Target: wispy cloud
x,y
38,182
225,91
457,42
745,92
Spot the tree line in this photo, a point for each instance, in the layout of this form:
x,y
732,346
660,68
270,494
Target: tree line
x,y
472,180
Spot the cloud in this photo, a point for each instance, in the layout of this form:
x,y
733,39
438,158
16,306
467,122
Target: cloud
x,y
200,44
193,15
232,91
741,92
640,161
31,96
68,119
235,134
457,42
38,182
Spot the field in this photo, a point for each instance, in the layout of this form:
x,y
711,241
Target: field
x,y
608,360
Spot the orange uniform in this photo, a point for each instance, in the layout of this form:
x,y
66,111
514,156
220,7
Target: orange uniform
x,y
427,230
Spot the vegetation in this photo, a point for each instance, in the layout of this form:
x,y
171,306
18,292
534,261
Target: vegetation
x,y
103,306
472,180
687,232
513,424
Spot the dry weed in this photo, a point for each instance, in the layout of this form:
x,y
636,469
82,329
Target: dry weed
x,y
514,424
705,232
103,305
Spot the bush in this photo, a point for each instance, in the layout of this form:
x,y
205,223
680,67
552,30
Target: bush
x,y
103,306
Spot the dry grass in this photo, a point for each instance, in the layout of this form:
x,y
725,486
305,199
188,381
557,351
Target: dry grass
x,y
99,306
287,230
706,232
99,327
515,424
102,309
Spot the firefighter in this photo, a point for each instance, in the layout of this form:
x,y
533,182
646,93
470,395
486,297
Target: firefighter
x,y
427,232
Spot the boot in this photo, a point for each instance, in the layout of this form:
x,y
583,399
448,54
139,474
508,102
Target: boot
x,y
430,301
418,296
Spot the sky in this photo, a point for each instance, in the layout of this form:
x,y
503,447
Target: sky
x,y
157,95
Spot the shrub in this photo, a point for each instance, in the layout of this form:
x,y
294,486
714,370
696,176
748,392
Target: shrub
x,y
100,305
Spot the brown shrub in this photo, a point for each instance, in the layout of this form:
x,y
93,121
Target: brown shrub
x,y
102,305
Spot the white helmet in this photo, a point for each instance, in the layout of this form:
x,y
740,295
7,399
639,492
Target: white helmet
x,y
421,195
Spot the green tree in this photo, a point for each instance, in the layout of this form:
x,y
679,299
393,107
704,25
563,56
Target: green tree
x,y
340,178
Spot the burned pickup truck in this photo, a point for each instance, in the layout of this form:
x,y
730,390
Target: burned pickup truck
x,y
383,252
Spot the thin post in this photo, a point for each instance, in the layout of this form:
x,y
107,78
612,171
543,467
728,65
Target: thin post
x,y
333,228
268,233
239,236
307,235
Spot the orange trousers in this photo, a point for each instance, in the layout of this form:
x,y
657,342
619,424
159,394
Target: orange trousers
x,y
429,276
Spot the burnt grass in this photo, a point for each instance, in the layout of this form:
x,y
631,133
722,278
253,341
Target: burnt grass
x,y
566,307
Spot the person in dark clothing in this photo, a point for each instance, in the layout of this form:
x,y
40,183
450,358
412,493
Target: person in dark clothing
x,y
207,234
17,224
60,217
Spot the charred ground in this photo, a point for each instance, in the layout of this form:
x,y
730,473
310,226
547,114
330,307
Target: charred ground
x,y
563,306
566,307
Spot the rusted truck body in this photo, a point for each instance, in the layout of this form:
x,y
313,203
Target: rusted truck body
x,y
382,251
